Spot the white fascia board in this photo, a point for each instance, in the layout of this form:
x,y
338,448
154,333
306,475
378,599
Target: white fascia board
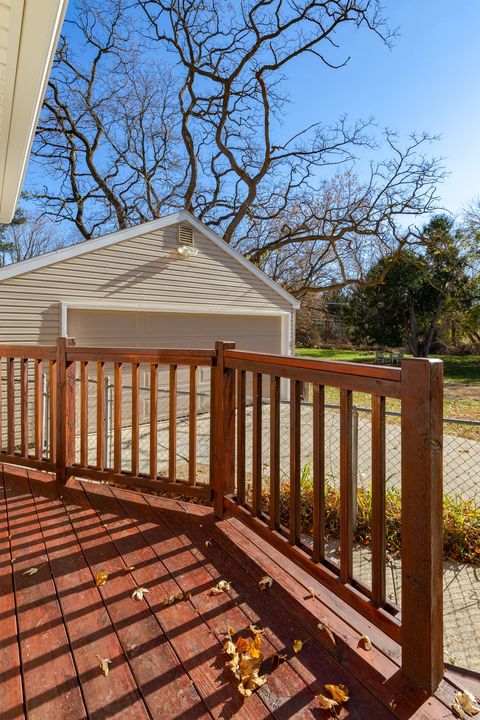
x,y
106,240
35,29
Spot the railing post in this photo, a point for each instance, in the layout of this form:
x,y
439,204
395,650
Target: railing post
x,y
222,428
354,469
65,409
422,500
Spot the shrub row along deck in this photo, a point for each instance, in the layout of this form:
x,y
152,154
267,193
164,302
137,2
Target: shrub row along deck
x,y
55,438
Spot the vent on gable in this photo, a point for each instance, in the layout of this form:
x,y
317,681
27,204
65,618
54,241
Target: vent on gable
x,y
185,235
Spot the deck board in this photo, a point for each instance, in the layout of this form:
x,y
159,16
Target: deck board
x,y
167,661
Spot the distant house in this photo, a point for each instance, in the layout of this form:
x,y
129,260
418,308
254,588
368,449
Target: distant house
x,y
171,282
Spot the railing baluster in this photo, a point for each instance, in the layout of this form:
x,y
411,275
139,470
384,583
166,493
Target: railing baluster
x,y
274,452
11,405
135,419
346,486
117,418
378,500
38,378
153,420
84,413
192,426
257,445
172,425
52,383
100,415
295,470
318,473
1,405
241,405
24,407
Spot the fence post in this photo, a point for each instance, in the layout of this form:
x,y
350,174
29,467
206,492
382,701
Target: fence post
x,y
65,409
422,516
107,422
222,424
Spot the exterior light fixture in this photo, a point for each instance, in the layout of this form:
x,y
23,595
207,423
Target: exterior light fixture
x,y
187,251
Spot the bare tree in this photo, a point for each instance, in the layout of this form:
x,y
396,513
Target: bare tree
x,y
28,237
177,103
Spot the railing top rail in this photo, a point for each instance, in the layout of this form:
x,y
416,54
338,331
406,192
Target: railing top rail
x,y
349,376
337,366
161,356
34,352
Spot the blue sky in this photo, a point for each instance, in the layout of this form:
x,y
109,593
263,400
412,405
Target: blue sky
x,y
428,81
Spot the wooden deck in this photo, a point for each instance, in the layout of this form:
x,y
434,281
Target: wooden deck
x,y
167,661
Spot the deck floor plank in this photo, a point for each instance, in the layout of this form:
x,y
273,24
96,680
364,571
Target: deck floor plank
x,y
168,661
286,695
164,684
51,685
11,698
89,626
198,649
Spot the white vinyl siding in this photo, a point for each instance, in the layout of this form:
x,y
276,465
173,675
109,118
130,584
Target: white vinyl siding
x,y
143,269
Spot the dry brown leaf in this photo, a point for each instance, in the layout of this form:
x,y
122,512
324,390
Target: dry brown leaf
x,y
101,577
256,630
139,592
298,645
393,704
277,659
208,543
312,592
178,596
457,710
103,665
245,661
31,571
220,587
265,582
130,568
338,692
466,701
365,642
326,703
324,628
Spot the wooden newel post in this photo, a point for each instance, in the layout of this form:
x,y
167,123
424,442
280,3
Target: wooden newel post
x,y
222,420
422,518
65,431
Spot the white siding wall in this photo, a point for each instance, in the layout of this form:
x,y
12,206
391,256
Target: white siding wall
x,y
146,269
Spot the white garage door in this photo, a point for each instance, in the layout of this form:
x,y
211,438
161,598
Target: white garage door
x,y
114,328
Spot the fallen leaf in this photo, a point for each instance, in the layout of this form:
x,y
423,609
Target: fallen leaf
x,y
265,582
220,587
208,543
130,568
178,596
104,663
457,710
465,699
101,577
277,659
393,704
245,661
31,571
338,692
326,703
139,592
312,592
298,645
365,642
10,536
256,630
324,628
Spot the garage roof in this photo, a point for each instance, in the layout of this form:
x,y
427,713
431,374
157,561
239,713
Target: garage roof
x,y
29,31
101,242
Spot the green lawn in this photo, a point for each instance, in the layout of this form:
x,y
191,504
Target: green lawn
x,y
458,368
